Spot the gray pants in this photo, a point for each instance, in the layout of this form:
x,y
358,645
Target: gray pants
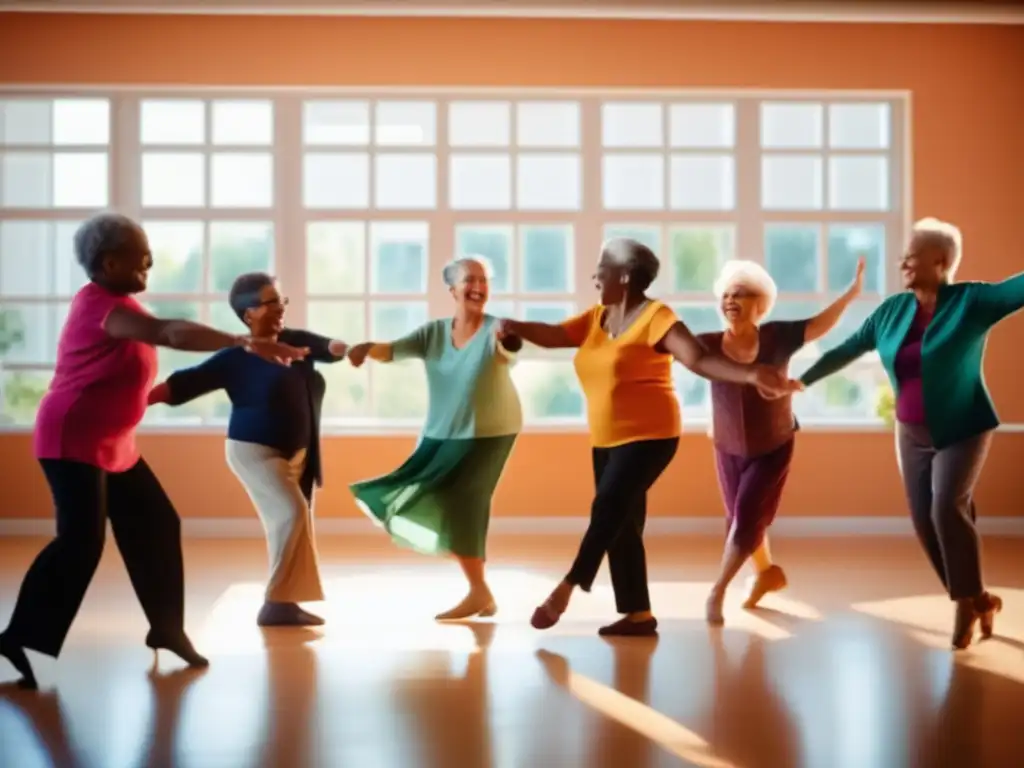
x,y
940,488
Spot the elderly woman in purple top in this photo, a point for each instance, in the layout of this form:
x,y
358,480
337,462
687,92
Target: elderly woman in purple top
x,y
753,435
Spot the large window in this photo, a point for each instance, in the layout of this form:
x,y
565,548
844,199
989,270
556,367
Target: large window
x,y
357,201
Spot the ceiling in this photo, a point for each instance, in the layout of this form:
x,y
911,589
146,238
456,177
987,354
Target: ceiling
x,y
978,12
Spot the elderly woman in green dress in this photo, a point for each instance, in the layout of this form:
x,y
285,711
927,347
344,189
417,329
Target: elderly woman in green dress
x,y
439,501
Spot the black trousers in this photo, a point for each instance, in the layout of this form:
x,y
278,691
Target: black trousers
x,y
148,535
622,475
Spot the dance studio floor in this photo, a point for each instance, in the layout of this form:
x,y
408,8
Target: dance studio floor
x,y
848,669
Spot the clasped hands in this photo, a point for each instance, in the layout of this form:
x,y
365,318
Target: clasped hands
x,y
773,383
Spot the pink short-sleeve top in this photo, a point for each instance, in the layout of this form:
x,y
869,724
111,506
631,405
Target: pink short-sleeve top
x,y
99,389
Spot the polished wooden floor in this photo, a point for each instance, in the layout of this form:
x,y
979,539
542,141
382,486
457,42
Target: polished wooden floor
x,y
848,668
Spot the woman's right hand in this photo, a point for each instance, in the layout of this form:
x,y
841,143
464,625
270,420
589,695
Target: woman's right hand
x,y
357,354
274,351
506,328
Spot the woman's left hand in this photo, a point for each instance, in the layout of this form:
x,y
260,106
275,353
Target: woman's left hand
x,y
773,383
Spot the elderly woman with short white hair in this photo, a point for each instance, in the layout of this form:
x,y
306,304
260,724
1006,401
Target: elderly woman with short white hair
x,y
439,501
753,435
931,341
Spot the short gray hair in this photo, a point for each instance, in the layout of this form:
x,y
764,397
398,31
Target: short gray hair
x,y
245,291
636,258
102,235
943,235
451,271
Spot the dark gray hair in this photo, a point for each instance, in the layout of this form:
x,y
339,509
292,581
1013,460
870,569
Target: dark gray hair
x,y
636,258
245,291
102,235
451,271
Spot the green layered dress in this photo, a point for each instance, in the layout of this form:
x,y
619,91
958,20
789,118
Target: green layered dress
x,y
439,500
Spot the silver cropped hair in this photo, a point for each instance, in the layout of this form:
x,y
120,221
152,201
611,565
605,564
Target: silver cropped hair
x,y
103,234
945,235
452,270
750,275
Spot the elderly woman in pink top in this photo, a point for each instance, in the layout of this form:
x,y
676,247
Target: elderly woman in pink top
x,y
85,442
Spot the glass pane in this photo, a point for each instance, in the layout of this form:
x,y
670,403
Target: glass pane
x,y
26,177
68,273
26,258
479,123
858,126
649,235
858,183
243,123
80,180
398,257
541,312
546,259
548,124
177,248
548,182
405,181
703,182
699,318
699,126
791,125
237,248
335,257
846,244
336,180
791,182
173,121
632,125
399,390
173,180
223,317
26,121
242,180
791,257
548,389
348,391
406,123
390,320
336,122
493,244
480,182
501,308
22,391
633,182
852,319
81,122
345,320
697,255
28,333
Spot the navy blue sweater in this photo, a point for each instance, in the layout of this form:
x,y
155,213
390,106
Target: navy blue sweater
x,y
271,404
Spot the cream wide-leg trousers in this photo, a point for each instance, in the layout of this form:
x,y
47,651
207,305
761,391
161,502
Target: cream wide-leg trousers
x,y
272,482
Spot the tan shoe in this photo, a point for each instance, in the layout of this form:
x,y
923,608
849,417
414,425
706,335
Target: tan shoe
x,y
771,580
474,604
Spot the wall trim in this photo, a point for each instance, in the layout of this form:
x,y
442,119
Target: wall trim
x,y
792,527
834,12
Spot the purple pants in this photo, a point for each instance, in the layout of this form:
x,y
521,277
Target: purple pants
x,y
751,490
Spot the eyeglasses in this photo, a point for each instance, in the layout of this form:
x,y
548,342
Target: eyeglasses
x,y
278,302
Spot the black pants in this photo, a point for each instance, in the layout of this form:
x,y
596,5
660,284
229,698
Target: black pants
x,y
622,475
148,534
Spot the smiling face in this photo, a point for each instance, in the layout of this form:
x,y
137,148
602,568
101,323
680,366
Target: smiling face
x,y
741,306
471,288
266,318
926,262
127,270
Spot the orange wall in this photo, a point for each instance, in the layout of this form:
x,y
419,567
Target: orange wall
x,y
968,166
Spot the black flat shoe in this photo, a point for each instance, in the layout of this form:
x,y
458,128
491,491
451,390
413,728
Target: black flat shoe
x,y
180,646
16,655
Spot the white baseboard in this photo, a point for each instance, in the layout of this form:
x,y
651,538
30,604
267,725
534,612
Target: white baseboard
x,y
796,527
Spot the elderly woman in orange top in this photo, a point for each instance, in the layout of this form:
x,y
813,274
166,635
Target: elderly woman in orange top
x,y
625,348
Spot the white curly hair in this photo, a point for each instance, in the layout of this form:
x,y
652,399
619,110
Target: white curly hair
x,y
943,235
749,275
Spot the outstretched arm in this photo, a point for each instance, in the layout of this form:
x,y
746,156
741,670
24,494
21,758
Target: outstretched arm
x,y
413,345
688,350
322,349
826,320
859,343
998,300
189,383
539,334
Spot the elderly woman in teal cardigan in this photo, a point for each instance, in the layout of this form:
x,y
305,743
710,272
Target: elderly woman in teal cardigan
x,y
931,339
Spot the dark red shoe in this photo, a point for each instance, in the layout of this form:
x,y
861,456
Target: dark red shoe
x,y
626,628
544,617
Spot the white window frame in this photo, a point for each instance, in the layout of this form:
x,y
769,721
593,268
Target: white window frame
x,y
289,217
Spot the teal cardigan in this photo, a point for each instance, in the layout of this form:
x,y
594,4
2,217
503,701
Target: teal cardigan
x,y
956,402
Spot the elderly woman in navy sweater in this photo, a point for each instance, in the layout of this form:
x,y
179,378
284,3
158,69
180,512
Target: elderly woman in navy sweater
x,y
273,444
